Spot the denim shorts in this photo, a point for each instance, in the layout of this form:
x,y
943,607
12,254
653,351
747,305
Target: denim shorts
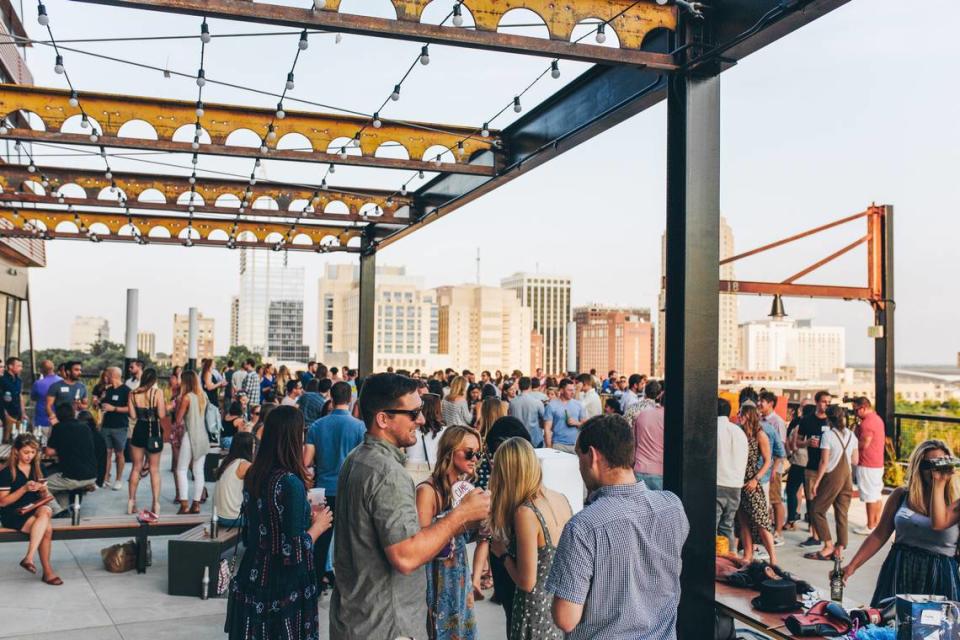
x,y
116,439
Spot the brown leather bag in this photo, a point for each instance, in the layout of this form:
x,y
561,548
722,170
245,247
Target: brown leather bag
x,y
119,558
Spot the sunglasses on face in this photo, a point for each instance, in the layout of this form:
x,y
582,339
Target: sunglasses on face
x,y
470,454
413,414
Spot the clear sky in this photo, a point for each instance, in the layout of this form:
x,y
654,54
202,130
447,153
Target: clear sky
x,y
817,126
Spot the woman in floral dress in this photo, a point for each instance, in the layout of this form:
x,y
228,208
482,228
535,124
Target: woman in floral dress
x,y
753,515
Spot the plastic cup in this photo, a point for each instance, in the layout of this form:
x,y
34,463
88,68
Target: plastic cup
x,y
317,497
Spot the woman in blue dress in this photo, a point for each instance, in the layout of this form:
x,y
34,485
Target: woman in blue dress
x,y
273,595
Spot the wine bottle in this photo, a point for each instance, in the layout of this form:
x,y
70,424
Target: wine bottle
x,y
836,580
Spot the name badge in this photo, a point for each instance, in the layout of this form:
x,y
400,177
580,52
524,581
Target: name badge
x,y
115,398
65,390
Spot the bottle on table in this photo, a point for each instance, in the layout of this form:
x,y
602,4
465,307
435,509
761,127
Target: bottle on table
x,y
836,580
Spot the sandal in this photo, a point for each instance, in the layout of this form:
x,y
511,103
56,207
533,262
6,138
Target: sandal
x,y
486,580
54,581
29,566
478,595
816,555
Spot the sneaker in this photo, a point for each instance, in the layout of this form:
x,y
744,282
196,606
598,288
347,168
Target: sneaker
x,y
810,542
760,554
778,541
118,485
863,531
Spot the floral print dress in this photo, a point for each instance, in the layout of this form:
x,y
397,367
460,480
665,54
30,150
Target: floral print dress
x,y
274,594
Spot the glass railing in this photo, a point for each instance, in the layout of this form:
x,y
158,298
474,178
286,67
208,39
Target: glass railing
x,y
911,429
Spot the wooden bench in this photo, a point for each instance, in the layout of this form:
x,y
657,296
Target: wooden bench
x,y
736,602
190,552
118,526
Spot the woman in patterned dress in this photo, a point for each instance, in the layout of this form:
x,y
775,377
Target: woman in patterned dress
x,y
449,585
274,593
753,515
526,518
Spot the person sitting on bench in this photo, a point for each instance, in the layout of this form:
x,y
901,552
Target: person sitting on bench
x,y
72,442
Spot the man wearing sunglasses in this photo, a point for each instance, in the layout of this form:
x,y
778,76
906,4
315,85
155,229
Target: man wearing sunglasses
x,y
380,549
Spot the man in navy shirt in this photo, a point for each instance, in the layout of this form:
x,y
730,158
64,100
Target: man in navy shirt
x,y
328,442
10,397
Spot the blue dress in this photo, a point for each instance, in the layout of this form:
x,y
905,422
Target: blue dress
x,y
274,593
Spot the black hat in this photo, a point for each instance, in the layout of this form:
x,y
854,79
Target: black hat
x,y
777,596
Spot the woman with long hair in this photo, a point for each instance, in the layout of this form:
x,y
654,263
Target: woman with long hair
x,y
526,519
753,515
228,494
195,443
449,586
210,386
422,456
233,422
833,484
268,383
454,407
283,377
274,593
147,405
491,409
175,435
22,485
924,515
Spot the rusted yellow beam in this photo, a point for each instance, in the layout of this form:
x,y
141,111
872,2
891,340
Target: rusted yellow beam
x,y
100,223
112,111
133,186
638,19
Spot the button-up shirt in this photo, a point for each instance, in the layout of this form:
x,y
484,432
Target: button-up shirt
x,y
624,547
251,386
311,404
777,450
375,508
590,400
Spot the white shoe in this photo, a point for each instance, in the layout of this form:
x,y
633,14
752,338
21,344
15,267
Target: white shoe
x,y
778,541
760,554
863,531
118,485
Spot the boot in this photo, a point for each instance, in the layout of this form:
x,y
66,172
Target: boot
x,y
183,508
194,507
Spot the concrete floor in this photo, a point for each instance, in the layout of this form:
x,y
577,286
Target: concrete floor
x,y
93,604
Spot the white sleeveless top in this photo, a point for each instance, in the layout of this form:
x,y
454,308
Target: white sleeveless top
x,y
229,492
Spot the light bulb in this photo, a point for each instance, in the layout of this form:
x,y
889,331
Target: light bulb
x,y
74,99
338,38
403,190
108,175
376,121
271,133
343,153
323,184
3,129
396,93
58,65
253,179
436,160
60,199
555,69
192,179
204,33
602,33
84,122
290,81
94,136
457,15
32,169
425,55
193,160
281,114
517,107
196,143
333,168
390,201
42,17
460,149
485,132
201,78
256,163
45,183
319,4
199,110
420,174
304,43
263,148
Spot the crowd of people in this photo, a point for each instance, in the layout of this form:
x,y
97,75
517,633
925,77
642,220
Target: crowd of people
x,y
414,469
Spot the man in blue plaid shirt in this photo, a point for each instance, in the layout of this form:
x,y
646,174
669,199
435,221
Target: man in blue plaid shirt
x,y
616,573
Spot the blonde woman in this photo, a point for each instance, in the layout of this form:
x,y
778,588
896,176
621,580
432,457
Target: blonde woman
x,y
449,586
491,409
454,407
526,519
146,405
195,443
923,556
283,377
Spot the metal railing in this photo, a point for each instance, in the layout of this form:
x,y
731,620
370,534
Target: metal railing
x,y
911,429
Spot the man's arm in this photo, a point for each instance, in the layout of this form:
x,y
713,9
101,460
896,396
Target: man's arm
x,y
548,433
309,452
566,614
51,416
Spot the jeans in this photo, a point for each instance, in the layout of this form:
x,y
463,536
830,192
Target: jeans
x,y
728,501
60,488
652,481
322,548
184,462
794,482
229,523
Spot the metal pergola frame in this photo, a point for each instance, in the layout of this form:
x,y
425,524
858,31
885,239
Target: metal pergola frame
x,y
666,51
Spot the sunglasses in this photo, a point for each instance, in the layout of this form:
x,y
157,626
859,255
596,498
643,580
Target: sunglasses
x,y
413,414
470,454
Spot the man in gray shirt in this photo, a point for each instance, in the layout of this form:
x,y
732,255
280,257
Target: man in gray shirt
x,y
380,549
529,410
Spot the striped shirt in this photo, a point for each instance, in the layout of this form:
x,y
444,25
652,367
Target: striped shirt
x,y
620,559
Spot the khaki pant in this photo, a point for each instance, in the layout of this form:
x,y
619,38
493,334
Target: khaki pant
x,y
776,489
835,490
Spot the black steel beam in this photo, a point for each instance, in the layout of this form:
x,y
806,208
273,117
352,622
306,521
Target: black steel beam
x,y
691,332
368,305
884,369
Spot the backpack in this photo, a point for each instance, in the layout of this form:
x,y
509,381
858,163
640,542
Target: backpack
x,y
211,420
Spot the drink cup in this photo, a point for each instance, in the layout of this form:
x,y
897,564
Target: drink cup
x,y
317,497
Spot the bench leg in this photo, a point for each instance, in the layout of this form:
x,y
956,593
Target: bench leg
x,y
142,536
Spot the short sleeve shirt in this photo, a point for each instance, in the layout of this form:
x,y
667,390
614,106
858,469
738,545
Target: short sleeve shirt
x,y
556,413
812,427
834,443
872,456
65,393
10,388
375,508
116,397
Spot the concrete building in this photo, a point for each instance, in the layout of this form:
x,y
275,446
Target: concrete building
x,y
483,328
548,298
87,331
181,337
407,324
234,321
728,356
609,338
265,277
536,352
285,332
147,343
812,353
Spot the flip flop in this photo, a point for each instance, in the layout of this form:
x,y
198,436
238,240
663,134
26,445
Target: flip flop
x,y
29,566
54,581
816,555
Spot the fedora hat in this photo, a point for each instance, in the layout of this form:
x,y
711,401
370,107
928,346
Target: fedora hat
x,y
776,596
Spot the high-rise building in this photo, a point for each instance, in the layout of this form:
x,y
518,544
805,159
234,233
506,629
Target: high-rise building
x,y
536,352
234,321
147,343
483,328
181,338
87,331
808,352
620,339
285,332
406,334
728,356
265,278
548,298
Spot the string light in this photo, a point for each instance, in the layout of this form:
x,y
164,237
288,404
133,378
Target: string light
x,y
319,4
602,32
74,99
84,122
555,69
377,123
42,17
94,136
332,168
457,15
196,143
304,43
201,77
204,33
343,153
517,107
281,114
271,132
290,81
58,65
485,131
199,109
425,55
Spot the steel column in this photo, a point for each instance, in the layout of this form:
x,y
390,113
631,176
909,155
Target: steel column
x,y
692,332
883,368
368,304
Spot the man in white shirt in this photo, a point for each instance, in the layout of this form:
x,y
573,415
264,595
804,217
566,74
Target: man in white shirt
x,y
589,397
732,448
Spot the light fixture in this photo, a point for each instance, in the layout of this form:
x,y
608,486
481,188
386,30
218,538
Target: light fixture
x,y
396,93
32,169
108,175
290,81
199,109
420,174
377,123
58,65
457,15
776,309
338,39
256,163
343,153
304,43
204,33
263,147
201,78
602,32
42,17
271,132
460,149
323,184
555,69
319,4
517,107
4,130
84,122
425,55
485,131
253,179
192,179
281,114
436,160
193,160
74,99
44,182
94,136
333,168
403,190
196,143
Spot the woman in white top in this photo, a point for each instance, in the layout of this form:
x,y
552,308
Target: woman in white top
x,y
228,495
832,485
454,407
422,456
195,442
